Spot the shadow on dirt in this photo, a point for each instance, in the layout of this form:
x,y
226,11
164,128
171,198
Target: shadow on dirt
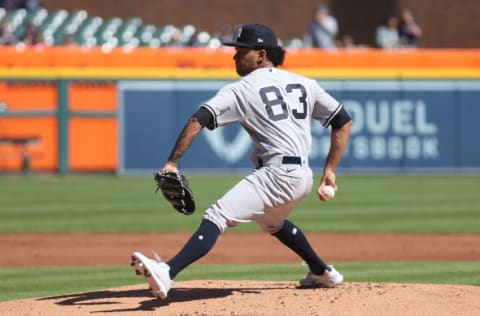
x,y
176,295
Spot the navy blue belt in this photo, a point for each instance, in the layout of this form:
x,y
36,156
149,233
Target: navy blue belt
x,y
291,160
286,160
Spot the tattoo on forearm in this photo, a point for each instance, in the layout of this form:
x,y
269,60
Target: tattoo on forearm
x,y
180,147
184,140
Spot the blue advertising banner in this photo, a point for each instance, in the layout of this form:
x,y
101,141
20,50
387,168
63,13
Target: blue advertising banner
x,y
399,126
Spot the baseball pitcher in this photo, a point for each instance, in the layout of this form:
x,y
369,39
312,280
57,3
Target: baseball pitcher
x,y
275,107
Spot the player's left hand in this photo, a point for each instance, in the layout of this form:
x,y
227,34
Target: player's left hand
x,y
169,167
176,190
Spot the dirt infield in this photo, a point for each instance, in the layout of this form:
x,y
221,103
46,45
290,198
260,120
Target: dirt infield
x,y
114,249
247,297
235,298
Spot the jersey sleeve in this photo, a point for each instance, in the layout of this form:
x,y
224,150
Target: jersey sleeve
x,y
325,106
225,106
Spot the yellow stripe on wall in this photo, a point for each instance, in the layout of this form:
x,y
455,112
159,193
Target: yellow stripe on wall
x,y
100,73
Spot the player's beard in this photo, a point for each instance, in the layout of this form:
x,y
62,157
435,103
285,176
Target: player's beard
x,y
243,69
245,61
240,70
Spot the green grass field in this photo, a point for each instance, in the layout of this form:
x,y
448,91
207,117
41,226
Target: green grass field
x,y
52,281
90,203
106,203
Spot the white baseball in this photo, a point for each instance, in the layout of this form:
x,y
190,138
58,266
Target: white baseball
x,y
329,192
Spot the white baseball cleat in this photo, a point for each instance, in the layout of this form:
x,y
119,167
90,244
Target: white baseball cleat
x,y
155,272
330,278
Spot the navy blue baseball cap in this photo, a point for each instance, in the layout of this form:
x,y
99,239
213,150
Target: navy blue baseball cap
x,y
254,35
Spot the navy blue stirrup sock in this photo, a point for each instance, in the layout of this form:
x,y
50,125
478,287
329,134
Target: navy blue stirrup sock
x,y
292,237
196,247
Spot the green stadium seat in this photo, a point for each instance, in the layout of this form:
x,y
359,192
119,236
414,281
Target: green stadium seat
x,y
38,17
165,34
187,32
86,32
17,19
70,26
146,34
52,24
214,42
127,32
294,43
2,14
95,31
107,32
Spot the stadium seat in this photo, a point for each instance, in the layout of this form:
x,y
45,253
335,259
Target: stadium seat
x,y
92,31
16,20
127,32
51,24
146,35
85,34
2,14
294,43
38,17
70,26
107,32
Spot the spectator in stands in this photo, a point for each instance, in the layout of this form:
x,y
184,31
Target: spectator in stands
x,y
32,36
227,33
323,29
31,5
409,30
194,40
69,40
387,36
6,36
347,42
9,5
174,38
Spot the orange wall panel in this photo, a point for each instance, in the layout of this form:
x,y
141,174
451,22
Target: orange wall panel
x,y
93,144
29,95
96,96
43,154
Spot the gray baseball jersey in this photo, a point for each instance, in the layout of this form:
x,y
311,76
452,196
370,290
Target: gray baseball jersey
x,y
275,107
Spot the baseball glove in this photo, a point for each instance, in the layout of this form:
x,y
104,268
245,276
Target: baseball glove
x,y
174,187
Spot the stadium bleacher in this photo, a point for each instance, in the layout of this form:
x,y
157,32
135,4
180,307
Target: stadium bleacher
x,y
89,31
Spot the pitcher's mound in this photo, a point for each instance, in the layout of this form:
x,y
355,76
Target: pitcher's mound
x,y
260,298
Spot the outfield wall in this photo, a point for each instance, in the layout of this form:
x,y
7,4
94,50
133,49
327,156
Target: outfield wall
x,y
412,109
399,126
